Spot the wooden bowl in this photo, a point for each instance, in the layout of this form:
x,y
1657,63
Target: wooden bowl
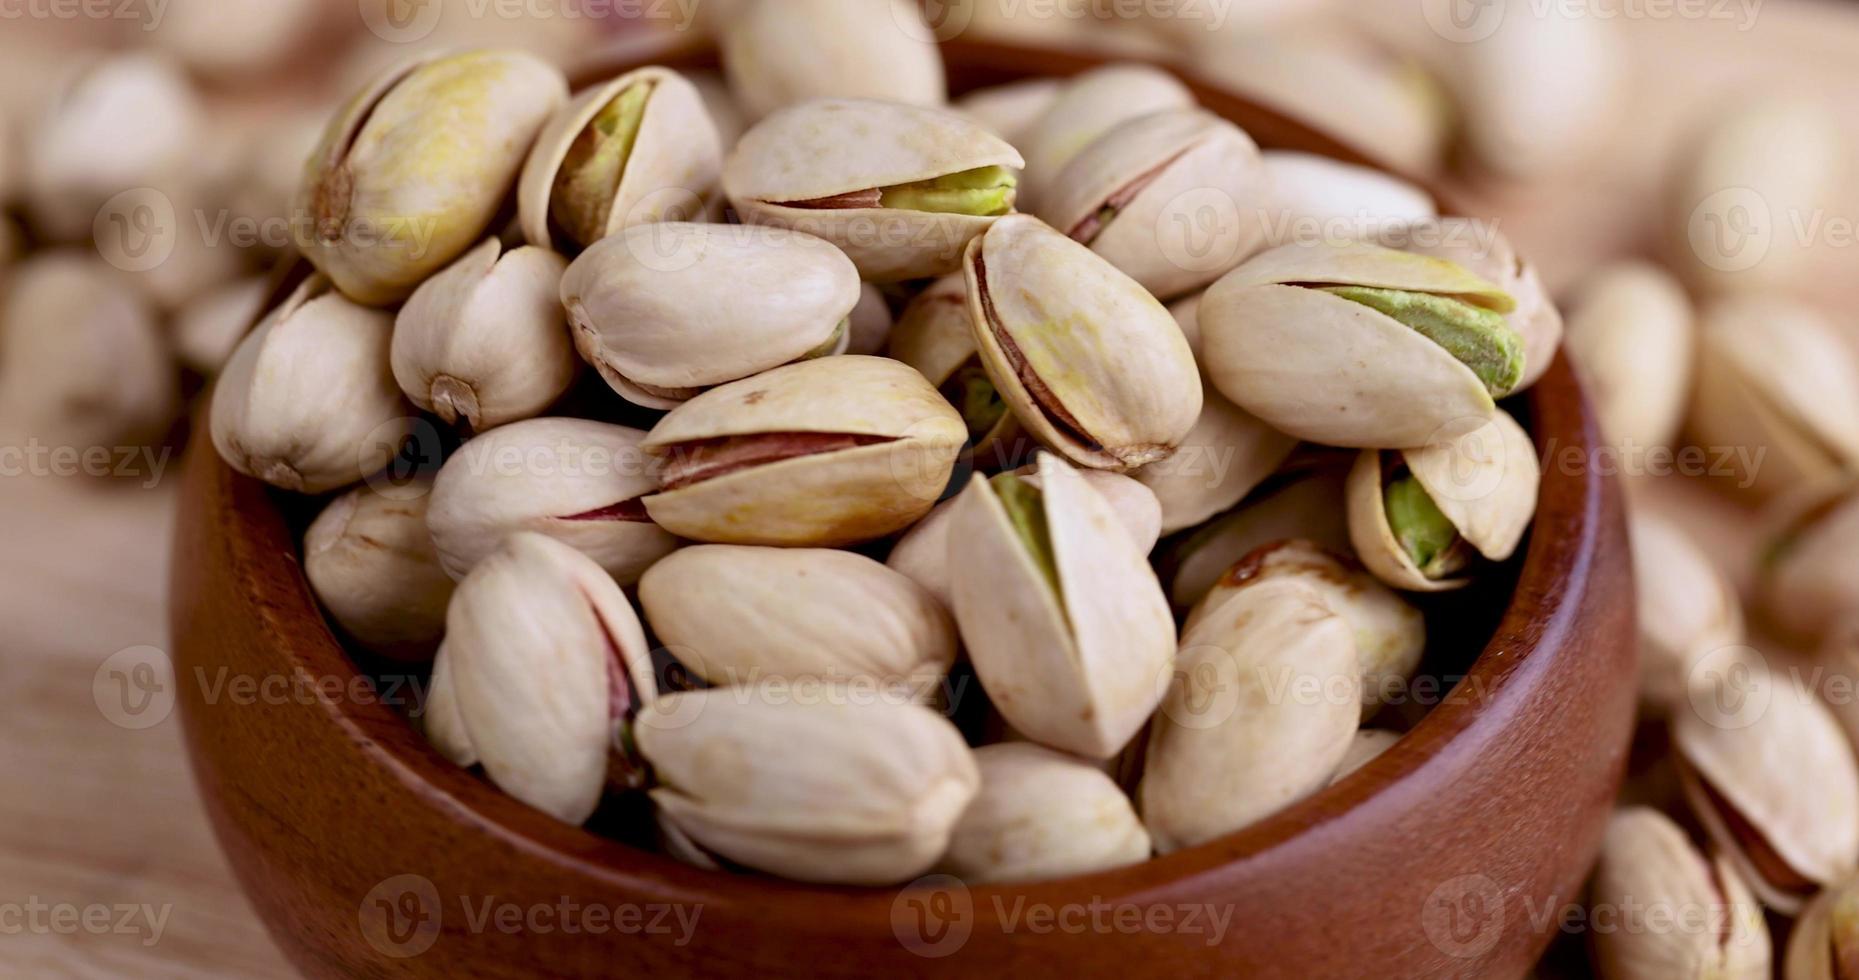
x,y
369,855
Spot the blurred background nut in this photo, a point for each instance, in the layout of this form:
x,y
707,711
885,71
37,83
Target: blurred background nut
x,y
1010,111
1825,941
1087,107
370,560
1715,926
781,52
1687,608
308,400
1633,337
1040,815
237,40
1538,94
1316,196
720,104
208,329
1806,578
485,342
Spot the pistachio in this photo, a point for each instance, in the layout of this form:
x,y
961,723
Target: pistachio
x,y
666,311
1308,504
240,41
1687,609
1011,111
579,482
725,112
1228,747
1421,518
1825,942
1713,927
1063,619
1631,332
1172,198
820,453
410,173
638,149
484,343
208,329
546,660
1370,744
1483,250
934,336
1041,815
902,189
1317,197
1767,770
1540,93
738,615
1223,458
308,400
441,722
1805,581
1089,106
370,560
868,329
1775,378
1086,359
831,789
1360,346
781,52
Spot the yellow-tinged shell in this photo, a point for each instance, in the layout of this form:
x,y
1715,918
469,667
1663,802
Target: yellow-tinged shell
x,y
1040,815
1824,944
1713,926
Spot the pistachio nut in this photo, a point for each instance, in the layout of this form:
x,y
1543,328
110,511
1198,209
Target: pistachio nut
x,y
484,342
1713,925
1305,503
638,149
579,482
546,661
720,103
208,329
1421,518
1360,346
1540,93
781,52
1631,331
1085,358
1769,773
1775,377
1317,198
1062,617
371,563
1370,744
901,188
1805,579
1390,635
1229,746
1227,454
308,401
81,358
236,42
1687,608
1011,110
441,722
1042,815
737,615
1172,198
830,789
868,329
1090,105
821,453
411,171
666,311
934,336
1824,944
1479,247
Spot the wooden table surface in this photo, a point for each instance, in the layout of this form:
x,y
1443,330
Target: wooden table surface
x,y
95,814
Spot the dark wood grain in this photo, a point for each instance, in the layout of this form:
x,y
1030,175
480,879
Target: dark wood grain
x,y
1448,856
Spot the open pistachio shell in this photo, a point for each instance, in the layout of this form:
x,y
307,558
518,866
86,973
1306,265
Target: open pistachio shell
x,y
821,453
934,336
1806,582
1228,747
1473,491
410,173
638,149
1307,505
1062,617
1540,90
1716,927
1041,815
1687,608
370,559
1086,358
1483,250
782,52
665,311
1089,106
1308,339
1173,198
1824,944
901,188
1633,336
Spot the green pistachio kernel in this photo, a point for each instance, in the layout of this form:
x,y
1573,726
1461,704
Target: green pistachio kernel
x,y
1026,511
832,342
984,192
589,179
973,394
1478,337
1423,532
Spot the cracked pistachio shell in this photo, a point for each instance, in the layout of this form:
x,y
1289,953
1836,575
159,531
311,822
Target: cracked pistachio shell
x,y
1687,608
1318,195
832,789
1824,944
370,559
1775,375
822,453
665,311
669,170
738,615
1086,359
1090,105
1307,505
1227,454
933,335
1062,617
1227,747
1042,815
576,481
484,342
308,401
546,658
781,52
1806,582
1482,477
1011,110
210,326
1141,195
1715,930
1369,744
811,167
411,172
1479,247
1329,370
1769,773
1631,331
1390,634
